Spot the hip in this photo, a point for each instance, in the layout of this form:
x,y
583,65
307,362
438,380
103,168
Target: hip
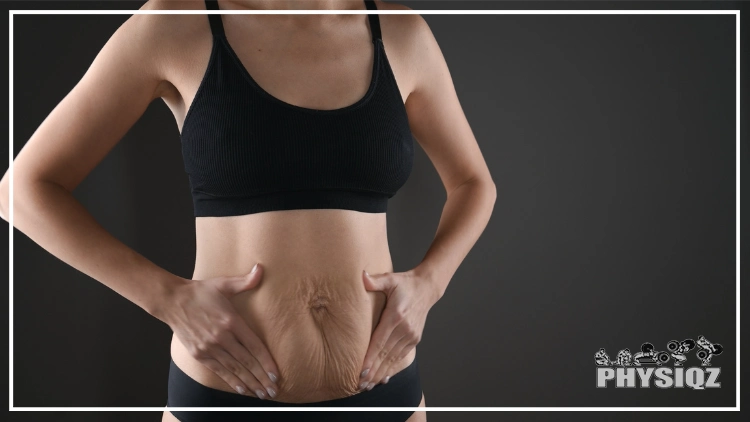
x,y
316,325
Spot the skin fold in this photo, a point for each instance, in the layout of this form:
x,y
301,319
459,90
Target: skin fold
x,y
311,308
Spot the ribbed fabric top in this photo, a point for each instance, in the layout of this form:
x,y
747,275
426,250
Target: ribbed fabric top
x,y
246,151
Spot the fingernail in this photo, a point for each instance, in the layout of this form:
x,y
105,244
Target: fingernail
x,y
385,381
364,372
261,395
363,385
272,376
240,389
369,387
255,267
366,273
271,392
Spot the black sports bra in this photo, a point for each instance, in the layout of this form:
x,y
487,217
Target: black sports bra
x,y
246,151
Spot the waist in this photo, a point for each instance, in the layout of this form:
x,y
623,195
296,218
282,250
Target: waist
x,y
310,309
305,241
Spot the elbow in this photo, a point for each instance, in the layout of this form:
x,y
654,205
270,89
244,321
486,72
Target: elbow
x,y
489,193
5,194
492,189
488,186
4,198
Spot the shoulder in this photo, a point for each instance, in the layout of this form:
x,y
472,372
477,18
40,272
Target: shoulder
x,y
166,28
164,24
409,40
410,25
167,41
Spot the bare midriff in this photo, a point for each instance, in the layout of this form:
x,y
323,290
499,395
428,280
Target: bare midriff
x,y
311,308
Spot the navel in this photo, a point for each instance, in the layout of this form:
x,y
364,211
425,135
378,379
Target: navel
x,y
319,302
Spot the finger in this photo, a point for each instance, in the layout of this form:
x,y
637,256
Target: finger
x,y
236,369
378,282
243,356
228,377
231,285
255,345
382,359
379,339
394,356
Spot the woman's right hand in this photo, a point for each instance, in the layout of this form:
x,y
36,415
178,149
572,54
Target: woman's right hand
x,y
205,321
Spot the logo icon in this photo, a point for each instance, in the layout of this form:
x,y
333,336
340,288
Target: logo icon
x,y
678,350
648,363
708,350
648,355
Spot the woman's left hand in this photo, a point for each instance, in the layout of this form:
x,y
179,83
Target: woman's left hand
x,y
408,299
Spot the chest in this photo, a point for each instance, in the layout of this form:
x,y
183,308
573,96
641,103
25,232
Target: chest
x,y
239,140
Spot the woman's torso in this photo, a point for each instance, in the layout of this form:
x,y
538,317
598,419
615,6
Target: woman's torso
x,y
311,308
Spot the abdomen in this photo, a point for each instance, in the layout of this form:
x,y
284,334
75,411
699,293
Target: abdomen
x,y
311,308
317,328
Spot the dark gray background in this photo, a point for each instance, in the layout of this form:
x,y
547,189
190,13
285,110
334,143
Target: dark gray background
x,y
612,143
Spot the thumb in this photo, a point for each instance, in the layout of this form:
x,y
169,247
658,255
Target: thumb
x,y
378,282
230,286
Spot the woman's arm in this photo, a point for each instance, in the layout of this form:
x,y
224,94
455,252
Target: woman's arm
x,y
438,123
442,130
125,77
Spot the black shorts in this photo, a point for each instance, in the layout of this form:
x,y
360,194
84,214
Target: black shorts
x,y
402,390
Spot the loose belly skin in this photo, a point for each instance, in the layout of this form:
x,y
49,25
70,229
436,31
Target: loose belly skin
x,y
311,308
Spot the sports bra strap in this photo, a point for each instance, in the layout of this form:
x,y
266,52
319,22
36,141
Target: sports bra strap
x,y
374,20
217,28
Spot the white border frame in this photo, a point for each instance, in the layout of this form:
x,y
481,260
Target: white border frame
x,y
11,13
